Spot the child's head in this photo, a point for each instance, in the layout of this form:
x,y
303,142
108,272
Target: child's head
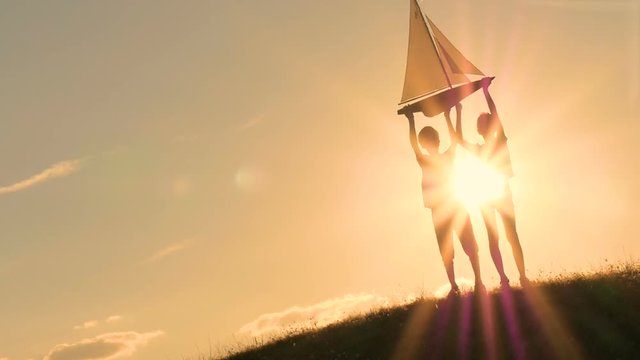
x,y
429,139
484,124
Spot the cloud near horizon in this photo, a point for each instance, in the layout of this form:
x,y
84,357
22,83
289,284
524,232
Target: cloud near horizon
x,y
320,314
57,170
103,347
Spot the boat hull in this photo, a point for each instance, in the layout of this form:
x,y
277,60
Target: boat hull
x,y
436,104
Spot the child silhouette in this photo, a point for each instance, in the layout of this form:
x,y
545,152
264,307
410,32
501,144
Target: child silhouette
x,y
495,153
449,216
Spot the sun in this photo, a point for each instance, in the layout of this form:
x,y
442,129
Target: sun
x,y
474,182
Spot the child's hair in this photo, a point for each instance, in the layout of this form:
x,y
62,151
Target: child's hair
x,y
486,123
428,135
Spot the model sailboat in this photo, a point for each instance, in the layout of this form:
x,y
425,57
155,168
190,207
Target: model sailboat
x,y
437,76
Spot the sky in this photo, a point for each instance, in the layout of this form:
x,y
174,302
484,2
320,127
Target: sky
x,y
177,177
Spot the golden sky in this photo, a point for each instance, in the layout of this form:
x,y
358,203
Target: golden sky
x,y
173,172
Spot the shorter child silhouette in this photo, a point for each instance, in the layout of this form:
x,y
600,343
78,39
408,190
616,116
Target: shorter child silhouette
x,y
449,216
495,153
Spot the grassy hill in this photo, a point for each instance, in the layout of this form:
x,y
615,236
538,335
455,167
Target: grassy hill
x,y
594,316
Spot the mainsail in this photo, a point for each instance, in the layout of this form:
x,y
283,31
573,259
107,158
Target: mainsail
x,y
436,76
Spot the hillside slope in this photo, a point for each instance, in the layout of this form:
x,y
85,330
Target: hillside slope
x,y
594,316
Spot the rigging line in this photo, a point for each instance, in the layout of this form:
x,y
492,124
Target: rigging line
x,y
433,42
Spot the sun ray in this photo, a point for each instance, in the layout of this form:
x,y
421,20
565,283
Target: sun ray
x,y
552,324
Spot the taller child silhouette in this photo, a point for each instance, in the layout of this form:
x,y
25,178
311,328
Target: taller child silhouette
x,y
448,214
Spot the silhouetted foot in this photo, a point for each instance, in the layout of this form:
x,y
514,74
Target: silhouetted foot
x,y
504,282
479,288
454,292
524,282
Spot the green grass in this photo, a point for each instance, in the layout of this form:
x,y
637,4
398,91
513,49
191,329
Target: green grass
x,y
578,316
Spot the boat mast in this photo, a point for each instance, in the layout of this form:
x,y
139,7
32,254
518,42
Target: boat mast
x,y
433,42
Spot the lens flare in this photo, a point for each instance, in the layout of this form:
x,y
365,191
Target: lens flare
x,y
474,182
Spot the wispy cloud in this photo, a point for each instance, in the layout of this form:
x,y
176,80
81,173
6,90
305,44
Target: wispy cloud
x,y
320,314
166,251
94,323
60,169
252,122
86,325
103,347
113,318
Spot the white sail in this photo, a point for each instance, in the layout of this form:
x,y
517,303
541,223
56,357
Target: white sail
x,y
458,64
433,63
424,72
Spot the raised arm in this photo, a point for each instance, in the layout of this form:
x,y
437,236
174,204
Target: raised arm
x,y
494,111
457,135
452,132
413,138
492,106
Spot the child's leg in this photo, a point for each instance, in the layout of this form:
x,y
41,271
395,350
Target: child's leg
x,y
489,217
444,235
468,241
507,213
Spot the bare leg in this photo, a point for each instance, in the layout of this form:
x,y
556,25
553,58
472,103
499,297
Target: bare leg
x,y
448,266
444,235
507,213
514,240
470,246
475,264
489,216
